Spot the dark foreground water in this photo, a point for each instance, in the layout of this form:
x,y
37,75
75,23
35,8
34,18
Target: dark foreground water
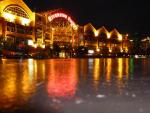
x,y
118,85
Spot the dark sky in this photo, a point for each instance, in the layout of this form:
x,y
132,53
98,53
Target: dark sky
x,y
128,16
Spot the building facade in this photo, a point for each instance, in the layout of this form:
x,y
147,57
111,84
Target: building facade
x,y
17,22
20,28
103,41
145,45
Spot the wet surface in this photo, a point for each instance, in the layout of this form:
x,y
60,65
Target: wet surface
x,y
118,85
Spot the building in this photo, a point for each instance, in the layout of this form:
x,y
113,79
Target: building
x,y
145,43
59,27
20,28
17,23
102,41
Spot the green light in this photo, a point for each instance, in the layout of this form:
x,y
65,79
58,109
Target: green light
x,y
132,68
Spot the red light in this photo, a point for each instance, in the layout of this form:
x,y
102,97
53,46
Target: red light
x,y
62,82
61,15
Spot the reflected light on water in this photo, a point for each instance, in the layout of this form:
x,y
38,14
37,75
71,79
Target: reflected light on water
x,y
132,68
83,68
62,78
24,81
40,65
9,91
108,70
39,70
120,68
123,73
96,73
127,68
31,69
17,82
7,87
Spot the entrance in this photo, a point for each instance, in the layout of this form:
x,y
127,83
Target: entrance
x,y
63,32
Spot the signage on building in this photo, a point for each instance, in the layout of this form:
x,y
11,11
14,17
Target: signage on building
x,y
61,15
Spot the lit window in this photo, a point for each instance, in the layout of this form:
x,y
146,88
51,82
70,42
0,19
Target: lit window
x,y
16,10
120,37
30,42
9,17
25,21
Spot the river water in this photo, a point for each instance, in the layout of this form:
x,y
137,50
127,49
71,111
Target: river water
x,y
105,85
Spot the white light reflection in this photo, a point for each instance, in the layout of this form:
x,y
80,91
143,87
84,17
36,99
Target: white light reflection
x,y
31,69
96,73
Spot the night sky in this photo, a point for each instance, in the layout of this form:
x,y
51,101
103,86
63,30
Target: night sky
x,y
128,16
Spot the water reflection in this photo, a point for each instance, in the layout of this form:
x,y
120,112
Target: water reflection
x,y
83,68
96,72
18,79
62,78
109,67
120,68
108,70
65,78
132,68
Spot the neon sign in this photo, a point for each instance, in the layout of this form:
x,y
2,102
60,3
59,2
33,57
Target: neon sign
x,y
61,15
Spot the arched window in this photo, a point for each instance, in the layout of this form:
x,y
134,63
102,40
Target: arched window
x,y
16,10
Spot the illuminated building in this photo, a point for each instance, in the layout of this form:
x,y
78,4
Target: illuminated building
x,y
145,43
59,28
17,22
21,27
103,41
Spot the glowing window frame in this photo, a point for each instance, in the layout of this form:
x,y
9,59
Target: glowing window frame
x,y
19,11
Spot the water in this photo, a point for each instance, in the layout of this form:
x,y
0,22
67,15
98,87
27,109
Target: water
x,y
110,85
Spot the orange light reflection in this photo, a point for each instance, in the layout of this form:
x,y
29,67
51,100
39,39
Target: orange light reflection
x,y
108,70
62,80
96,72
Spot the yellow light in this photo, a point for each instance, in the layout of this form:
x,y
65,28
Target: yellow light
x,y
98,50
120,68
96,33
43,46
96,75
35,45
108,70
75,27
25,21
91,51
120,37
30,42
63,55
108,35
126,50
121,50
110,50
9,17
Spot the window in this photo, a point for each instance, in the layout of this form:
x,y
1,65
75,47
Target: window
x,y
16,10
10,27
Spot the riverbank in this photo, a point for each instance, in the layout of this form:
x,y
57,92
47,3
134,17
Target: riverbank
x,y
81,56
